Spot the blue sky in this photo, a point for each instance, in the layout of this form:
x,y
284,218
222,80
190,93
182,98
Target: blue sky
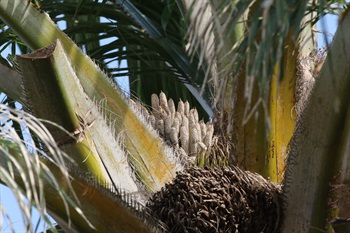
x,y
8,201
328,25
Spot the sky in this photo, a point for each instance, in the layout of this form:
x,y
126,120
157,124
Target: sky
x,y
8,201
328,25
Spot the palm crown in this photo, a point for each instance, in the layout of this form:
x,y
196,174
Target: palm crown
x,y
246,68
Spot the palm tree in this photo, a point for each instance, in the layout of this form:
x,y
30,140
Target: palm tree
x,y
251,63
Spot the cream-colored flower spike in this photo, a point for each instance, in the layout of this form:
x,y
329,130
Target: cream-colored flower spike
x,y
160,126
168,122
208,139
184,139
180,107
203,128
176,125
155,104
172,109
163,103
187,108
180,127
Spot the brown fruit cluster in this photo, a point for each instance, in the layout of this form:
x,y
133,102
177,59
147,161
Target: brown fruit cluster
x,y
218,200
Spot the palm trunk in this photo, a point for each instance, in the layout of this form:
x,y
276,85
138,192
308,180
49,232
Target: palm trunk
x,y
315,151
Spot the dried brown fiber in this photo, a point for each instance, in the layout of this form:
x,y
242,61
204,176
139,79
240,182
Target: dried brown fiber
x,y
218,200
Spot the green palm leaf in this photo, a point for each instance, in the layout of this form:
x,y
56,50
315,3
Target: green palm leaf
x,y
145,46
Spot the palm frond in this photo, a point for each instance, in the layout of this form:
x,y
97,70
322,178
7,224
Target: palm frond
x,y
23,166
262,45
52,185
143,32
135,35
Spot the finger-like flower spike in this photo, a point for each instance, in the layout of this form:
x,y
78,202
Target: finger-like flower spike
x,y
191,121
163,102
184,138
194,112
178,117
163,113
167,125
176,125
210,128
194,139
160,126
155,101
209,135
185,121
173,136
202,148
186,108
181,107
172,109
198,128
155,106
203,129
180,127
